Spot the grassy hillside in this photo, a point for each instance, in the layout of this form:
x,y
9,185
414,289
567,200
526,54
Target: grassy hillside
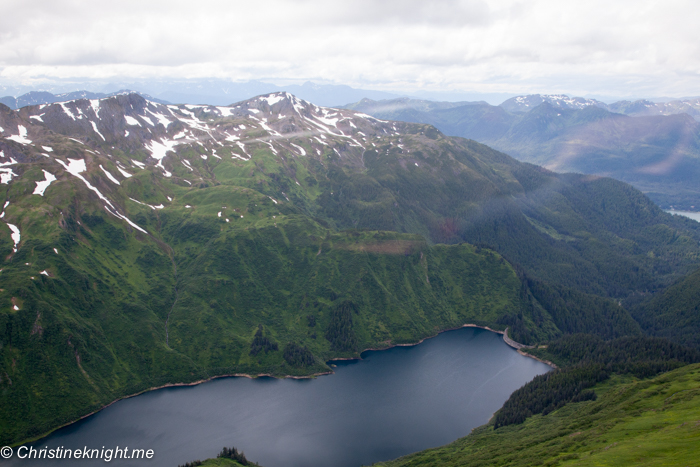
x,y
632,422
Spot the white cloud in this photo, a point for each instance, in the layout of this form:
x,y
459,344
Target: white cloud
x,y
594,46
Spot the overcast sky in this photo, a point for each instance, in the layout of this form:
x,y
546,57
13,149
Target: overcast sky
x,y
595,47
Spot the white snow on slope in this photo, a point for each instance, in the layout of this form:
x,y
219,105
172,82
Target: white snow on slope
x,y
15,235
299,148
6,176
160,206
132,121
271,147
94,127
161,118
125,173
75,167
44,184
159,150
272,99
37,117
47,148
243,149
95,104
22,137
67,110
225,111
110,176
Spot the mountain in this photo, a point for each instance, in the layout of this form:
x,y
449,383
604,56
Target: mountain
x,y
638,108
209,91
42,97
521,104
146,244
658,154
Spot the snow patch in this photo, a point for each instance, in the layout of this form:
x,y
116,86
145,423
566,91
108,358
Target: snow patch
x,y
132,121
47,148
44,184
125,173
161,118
67,110
160,206
6,176
22,137
299,148
158,151
110,176
37,117
95,104
272,99
94,127
15,236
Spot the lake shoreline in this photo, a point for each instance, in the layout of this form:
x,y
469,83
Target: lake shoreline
x,y
311,376
510,342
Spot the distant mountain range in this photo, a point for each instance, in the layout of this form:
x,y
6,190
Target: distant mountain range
x,y
653,146
43,97
200,91
638,108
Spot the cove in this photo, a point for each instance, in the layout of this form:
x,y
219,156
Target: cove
x,y
391,403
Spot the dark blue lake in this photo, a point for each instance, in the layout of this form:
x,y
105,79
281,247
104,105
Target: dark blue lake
x,y
391,403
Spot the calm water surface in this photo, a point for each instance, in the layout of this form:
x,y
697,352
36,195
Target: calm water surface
x,y
391,403
690,214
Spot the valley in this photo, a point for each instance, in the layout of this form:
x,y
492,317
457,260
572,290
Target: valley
x,y
147,244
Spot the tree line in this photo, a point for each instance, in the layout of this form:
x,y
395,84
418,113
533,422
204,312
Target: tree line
x,y
590,360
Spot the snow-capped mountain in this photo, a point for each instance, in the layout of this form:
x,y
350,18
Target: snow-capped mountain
x,y
102,142
526,103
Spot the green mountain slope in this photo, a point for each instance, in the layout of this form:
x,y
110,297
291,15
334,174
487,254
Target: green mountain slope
x,y
675,313
145,244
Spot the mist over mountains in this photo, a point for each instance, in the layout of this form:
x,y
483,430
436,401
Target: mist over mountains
x,y
653,146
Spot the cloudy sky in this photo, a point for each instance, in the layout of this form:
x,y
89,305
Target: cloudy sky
x,y
628,48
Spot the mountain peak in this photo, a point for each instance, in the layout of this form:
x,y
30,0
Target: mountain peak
x,y
520,104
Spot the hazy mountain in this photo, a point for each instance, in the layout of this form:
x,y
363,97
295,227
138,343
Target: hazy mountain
x,y
659,154
43,97
195,91
560,101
